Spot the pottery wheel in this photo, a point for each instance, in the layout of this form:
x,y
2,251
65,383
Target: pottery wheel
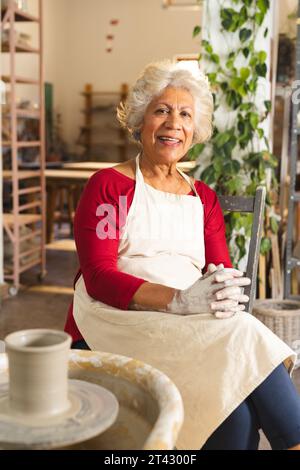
x,y
92,410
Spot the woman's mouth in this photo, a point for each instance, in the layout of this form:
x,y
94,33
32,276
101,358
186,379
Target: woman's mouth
x,y
169,141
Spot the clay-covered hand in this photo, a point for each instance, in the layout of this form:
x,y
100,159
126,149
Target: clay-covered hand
x,y
201,296
232,290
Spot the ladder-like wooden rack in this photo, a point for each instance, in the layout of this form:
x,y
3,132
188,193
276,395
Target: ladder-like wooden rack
x,y
31,184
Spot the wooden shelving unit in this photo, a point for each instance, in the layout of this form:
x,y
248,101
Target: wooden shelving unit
x,y
95,137
292,258
26,220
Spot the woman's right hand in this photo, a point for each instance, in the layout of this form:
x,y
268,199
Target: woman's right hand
x,y
218,292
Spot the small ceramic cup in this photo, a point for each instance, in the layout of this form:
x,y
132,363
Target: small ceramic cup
x,y
38,371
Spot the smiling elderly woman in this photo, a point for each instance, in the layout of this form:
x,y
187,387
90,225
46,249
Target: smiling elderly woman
x,y
144,233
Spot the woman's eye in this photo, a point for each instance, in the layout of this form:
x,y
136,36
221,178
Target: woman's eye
x,y
162,110
185,114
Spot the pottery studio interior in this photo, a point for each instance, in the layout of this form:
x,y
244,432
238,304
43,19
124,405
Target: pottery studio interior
x,y
150,225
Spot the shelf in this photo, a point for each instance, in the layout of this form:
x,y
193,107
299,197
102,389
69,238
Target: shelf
x,y
20,80
67,175
32,235
21,15
37,165
8,275
32,190
30,205
21,48
24,113
23,254
23,219
21,175
27,144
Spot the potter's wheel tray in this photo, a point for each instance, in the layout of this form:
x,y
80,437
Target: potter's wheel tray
x,y
92,410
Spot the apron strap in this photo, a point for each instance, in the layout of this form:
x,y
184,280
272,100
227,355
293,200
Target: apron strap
x,y
189,181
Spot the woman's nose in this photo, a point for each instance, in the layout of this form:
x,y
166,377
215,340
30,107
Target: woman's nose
x,y
173,121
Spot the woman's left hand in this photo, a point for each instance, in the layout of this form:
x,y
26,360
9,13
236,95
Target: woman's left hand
x,y
232,291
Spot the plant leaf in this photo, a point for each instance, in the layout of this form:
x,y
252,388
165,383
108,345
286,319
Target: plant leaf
x,y
265,245
245,34
197,30
246,51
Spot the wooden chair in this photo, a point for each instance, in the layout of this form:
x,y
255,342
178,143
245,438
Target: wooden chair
x,y
256,205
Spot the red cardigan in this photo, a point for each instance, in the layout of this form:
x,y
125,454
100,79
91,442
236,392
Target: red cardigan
x,y
98,258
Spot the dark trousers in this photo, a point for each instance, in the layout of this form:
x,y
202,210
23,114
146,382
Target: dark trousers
x,y
81,344
274,407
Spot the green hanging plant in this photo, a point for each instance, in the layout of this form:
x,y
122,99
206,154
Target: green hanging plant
x,y
235,165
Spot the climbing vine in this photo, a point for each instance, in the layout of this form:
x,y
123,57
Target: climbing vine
x,y
238,155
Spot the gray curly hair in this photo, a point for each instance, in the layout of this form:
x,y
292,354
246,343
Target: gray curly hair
x,y
151,83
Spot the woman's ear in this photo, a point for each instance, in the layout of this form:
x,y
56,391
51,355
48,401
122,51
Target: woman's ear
x,y
137,135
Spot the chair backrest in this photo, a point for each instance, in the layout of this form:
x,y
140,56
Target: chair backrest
x,y
256,205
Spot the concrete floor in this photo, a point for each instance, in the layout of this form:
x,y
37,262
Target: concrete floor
x,y
45,305
42,305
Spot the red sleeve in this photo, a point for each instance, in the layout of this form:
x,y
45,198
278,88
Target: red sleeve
x,y
216,250
98,257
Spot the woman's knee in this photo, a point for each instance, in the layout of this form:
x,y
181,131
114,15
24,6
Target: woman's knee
x,y
238,432
277,403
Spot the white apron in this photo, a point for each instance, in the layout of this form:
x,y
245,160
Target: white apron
x,y
214,363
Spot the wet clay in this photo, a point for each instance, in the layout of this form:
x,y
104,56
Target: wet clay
x,y
38,372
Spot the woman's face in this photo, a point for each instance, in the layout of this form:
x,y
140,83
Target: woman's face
x,y
168,126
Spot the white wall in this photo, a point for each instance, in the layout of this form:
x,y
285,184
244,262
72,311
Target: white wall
x,y
146,32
